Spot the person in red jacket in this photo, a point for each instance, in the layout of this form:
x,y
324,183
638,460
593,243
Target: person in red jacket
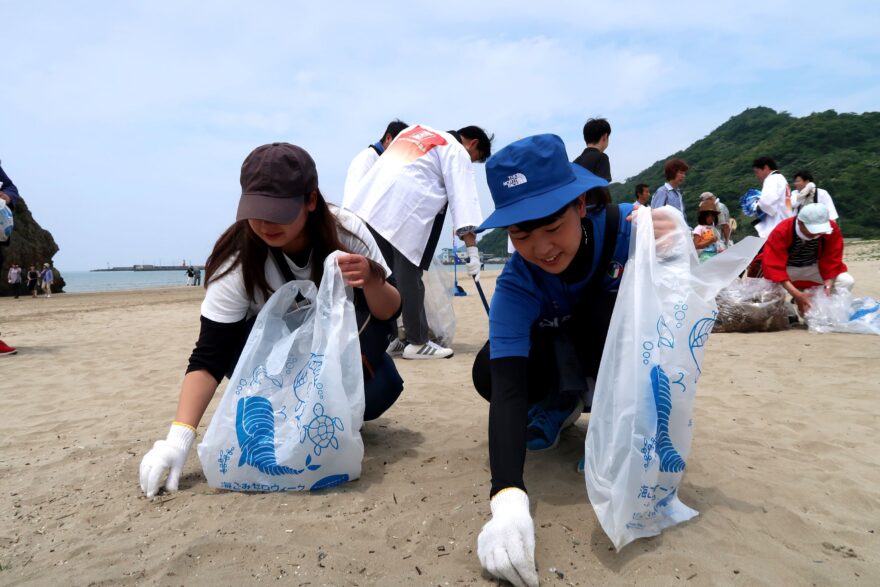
x,y
806,251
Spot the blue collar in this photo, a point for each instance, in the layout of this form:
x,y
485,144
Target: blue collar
x,y
378,146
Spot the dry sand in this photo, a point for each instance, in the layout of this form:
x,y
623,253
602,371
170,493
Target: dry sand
x,y
785,469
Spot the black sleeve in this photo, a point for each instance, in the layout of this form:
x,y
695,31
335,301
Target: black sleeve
x,y
603,167
218,347
393,283
508,418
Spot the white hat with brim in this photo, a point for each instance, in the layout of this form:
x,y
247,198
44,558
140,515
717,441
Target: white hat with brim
x,y
815,218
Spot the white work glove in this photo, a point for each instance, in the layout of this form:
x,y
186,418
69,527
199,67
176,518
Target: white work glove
x,y
473,264
506,545
167,455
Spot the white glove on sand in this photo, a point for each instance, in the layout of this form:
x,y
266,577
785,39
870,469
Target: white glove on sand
x,y
167,455
506,545
473,264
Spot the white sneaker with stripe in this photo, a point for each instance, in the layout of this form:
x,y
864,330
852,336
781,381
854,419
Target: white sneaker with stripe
x,y
429,350
395,349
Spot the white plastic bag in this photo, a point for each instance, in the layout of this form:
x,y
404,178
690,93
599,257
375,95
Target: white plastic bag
x,y
6,222
640,429
438,303
291,416
839,312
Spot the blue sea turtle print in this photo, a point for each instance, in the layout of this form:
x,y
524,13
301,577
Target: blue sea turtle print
x,y
322,430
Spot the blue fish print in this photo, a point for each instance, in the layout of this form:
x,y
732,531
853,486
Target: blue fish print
x,y
255,427
699,336
670,460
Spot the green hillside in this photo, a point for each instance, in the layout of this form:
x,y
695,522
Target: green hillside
x,y
841,150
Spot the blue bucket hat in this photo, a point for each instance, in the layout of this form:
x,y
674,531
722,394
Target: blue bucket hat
x,y
532,178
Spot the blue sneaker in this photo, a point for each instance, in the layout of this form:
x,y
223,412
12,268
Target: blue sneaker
x,y
546,422
582,464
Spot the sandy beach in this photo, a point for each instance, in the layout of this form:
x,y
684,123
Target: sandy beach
x,y
785,469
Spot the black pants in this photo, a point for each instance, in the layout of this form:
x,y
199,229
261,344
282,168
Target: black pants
x,y
561,358
411,288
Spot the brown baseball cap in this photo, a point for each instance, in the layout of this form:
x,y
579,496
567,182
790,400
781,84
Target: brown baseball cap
x,y
274,179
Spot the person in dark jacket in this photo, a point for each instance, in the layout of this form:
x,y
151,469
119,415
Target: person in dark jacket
x,y
597,133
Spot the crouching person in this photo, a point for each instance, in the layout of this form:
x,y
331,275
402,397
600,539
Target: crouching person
x,y
548,320
806,251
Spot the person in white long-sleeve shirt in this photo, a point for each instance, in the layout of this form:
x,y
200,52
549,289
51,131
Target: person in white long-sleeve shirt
x,y
806,193
364,160
775,200
403,200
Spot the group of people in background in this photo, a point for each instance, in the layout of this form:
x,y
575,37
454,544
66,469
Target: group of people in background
x,y
194,275
33,280
804,247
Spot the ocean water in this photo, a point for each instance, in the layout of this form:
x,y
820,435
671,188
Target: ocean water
x,y
97,281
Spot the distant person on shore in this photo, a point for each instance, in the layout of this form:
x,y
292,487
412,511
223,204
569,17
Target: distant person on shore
x,y
364,160
9,194
197,276
669,193
805,251
284,230
14,277
723,223
806,192
47,278
33,281
597,134
775,200
403,200
189,275
643,194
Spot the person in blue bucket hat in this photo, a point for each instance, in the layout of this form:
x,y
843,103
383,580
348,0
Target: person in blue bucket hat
x,y
547,325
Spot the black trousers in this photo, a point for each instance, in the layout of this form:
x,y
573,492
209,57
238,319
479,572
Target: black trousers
x,y
412,290
561,358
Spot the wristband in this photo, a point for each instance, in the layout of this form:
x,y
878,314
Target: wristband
x,y
176,423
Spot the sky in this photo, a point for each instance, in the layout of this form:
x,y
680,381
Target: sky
x,y
124,124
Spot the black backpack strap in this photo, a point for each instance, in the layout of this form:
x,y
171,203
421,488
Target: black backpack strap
x,y
609,243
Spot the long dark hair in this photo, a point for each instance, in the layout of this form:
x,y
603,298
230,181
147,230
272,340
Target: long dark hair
x,y
250,252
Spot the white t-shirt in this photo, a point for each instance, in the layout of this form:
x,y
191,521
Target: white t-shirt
x,y
227,301
773,203
418,174
358,169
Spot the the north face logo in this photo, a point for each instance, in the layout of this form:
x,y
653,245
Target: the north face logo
x,y
515,180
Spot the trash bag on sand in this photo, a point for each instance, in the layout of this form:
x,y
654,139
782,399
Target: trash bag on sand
x,y
751,305
291,415
641,425
839,312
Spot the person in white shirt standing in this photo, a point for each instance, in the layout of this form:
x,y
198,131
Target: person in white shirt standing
x,y
365,160
403,200
775,200
806,193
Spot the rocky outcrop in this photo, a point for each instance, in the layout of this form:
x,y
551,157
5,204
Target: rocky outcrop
x,y
31,245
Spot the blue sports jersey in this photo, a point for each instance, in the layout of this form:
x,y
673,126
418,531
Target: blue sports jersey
x,y
527,296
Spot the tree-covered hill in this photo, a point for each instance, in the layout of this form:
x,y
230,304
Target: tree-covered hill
x,y
841,150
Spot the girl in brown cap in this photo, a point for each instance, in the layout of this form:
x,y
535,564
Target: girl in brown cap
x,y
284,230
707,237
